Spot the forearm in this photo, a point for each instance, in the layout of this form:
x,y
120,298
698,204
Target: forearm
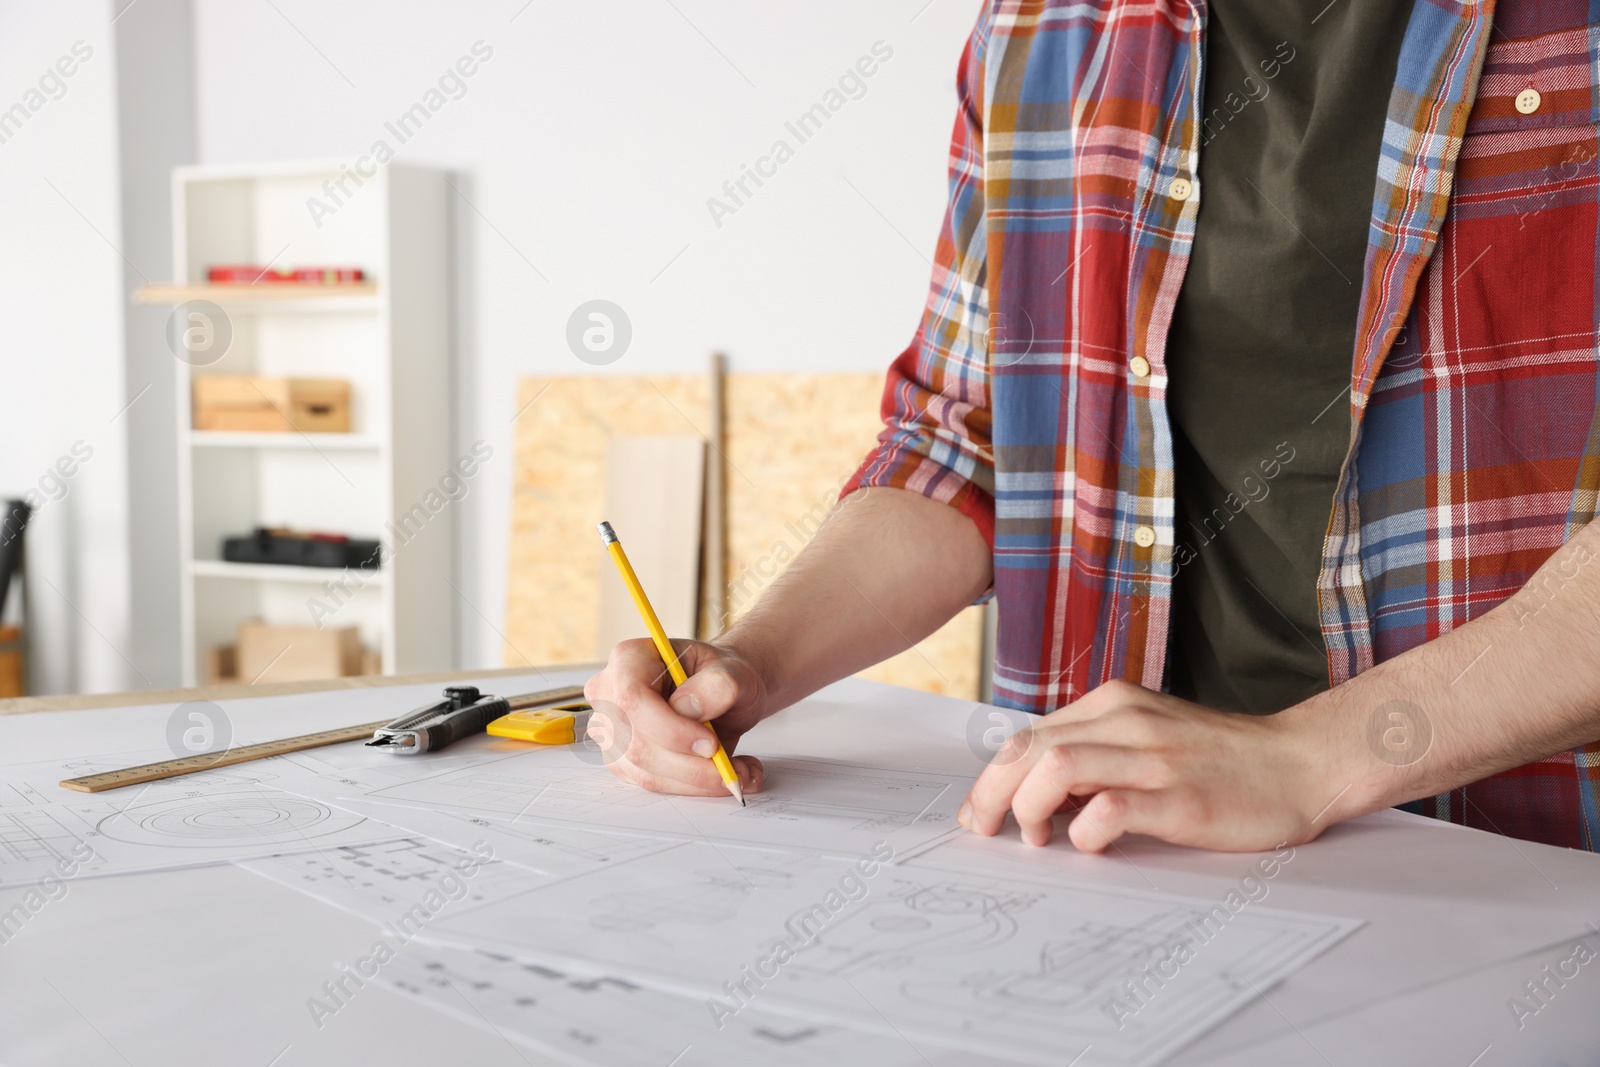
x,y
1516,685
887,569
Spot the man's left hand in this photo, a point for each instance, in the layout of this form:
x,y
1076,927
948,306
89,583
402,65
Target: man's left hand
x,y
1143,762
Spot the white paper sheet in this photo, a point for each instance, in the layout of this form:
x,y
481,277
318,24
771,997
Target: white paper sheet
x,y
815,806
618,1023
212,817
1035,970
555,850
1488,1017
1439,900
380,882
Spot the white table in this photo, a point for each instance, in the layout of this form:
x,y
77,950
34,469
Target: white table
x,y
1456,922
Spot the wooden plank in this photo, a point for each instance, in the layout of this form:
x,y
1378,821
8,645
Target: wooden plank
x,y
714,558
792,442
654,502
553,580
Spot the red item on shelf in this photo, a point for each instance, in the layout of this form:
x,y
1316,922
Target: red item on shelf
x,y
329,275
249,274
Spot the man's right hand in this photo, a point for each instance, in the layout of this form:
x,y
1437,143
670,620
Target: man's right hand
x,y
886,569
660,743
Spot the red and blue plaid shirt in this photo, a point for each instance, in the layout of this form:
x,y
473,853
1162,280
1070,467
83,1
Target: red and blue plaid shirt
x,y
1033,397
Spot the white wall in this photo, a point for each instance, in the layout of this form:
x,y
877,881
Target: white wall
x,y
61,358
588,146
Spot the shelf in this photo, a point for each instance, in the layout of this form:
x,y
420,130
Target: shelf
x,y
272,572
267,296
390,336
349,442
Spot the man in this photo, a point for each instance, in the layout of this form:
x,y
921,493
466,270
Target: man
x,y
1258,375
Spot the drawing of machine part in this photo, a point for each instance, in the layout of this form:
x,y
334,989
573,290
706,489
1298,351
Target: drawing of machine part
x,y
711,899
226,820
1075,972
906,927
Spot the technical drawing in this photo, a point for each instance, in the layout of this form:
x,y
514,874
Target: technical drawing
x,y
575,1016
784,807
379,880
990,963
554,793
38,839
861,798
710,898
915,921
810,805
595,849
227,820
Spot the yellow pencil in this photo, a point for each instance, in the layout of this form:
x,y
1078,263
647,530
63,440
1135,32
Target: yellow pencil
x,y
669,656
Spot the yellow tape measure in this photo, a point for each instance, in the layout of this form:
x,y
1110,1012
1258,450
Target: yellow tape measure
x,y
150,772
544,726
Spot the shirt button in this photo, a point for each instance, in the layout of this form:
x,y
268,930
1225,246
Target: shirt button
x,y
1140,367
1144,537
1182,187
1528,101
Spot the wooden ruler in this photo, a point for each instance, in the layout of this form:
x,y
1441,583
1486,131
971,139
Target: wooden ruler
x,y
150,772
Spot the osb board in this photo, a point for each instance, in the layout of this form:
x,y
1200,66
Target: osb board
x,y
654,504
791,442
552,603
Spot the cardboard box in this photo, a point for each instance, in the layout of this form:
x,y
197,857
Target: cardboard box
x,y
222,665
247,404
296,653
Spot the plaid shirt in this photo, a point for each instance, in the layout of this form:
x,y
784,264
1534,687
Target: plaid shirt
x,y
1033,397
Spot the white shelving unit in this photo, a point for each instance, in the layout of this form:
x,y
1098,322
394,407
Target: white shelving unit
x,y
390,337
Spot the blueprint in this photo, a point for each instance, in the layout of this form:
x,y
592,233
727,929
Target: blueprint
x,y
540,897
552,849
575,1017
1037,971
203,818
381,881
812,806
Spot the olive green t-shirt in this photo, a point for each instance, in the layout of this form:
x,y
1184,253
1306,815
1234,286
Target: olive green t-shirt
x,y
1260,350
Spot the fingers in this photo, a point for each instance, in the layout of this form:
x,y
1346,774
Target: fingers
x,y
711,691
1087,719
674,770
990,799
660,746
752,773
1114,812
663,773
1065,771
629,690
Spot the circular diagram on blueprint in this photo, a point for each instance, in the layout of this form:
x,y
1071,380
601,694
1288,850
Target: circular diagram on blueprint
x,y
217,821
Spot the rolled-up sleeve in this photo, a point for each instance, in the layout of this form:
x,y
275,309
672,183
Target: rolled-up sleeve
x,y
936,416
